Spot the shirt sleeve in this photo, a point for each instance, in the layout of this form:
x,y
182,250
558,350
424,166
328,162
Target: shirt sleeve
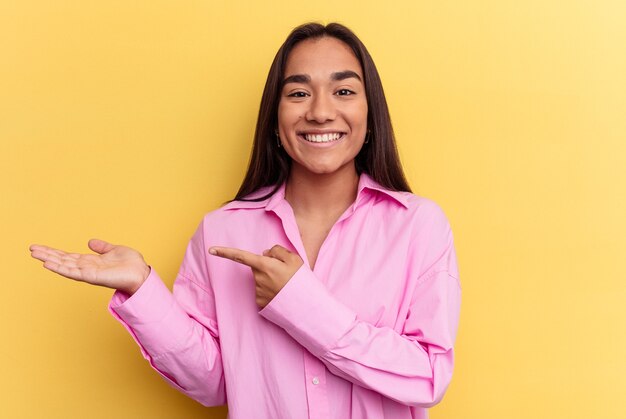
x,y
414,366
177,333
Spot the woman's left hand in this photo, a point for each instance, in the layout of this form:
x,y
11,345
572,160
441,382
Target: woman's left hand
x,y
271,271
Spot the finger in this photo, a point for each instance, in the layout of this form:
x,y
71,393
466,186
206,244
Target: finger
x,y
48,254
42,251
37,247
44,255
64,270
280,253
66,261
100,246
40,255
46,249
237,255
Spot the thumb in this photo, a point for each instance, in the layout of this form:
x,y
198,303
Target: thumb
x,y
279,252
100,246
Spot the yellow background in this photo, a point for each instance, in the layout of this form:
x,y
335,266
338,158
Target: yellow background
x,y
129,120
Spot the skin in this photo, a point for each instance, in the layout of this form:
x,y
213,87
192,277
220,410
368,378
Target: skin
x,y
322,104
113,266
322,183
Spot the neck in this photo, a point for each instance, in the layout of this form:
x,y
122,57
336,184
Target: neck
x,y
321,195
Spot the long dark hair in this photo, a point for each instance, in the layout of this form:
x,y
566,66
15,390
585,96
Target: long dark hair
x,y
269,164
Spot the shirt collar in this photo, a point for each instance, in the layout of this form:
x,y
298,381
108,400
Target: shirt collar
x,y
366,185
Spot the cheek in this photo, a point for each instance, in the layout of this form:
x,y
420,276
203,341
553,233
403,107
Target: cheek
x,y
364,112
287,114
280,113
358,116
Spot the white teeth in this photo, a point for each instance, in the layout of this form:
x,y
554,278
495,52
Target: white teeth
x,y
322,138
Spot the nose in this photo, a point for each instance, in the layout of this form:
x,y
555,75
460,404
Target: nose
x,y
321,109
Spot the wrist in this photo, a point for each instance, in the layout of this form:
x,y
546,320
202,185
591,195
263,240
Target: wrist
x,y
135,285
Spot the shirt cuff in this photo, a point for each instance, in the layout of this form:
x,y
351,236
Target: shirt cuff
x,y
152,316
309,313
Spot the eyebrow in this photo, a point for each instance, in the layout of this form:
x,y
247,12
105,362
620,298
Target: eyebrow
x,y
342,75
297,78
337,76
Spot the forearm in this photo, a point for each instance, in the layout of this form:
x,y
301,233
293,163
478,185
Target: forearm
x,y
410,366
391,364
180,348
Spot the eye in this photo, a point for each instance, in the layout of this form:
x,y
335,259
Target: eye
x,y
344,92
297,94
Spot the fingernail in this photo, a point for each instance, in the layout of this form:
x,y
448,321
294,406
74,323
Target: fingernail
x,y
213,251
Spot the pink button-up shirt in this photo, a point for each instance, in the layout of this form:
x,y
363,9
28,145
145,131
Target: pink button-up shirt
x,y
368,333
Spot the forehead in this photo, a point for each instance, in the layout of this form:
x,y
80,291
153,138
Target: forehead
x,y
321,57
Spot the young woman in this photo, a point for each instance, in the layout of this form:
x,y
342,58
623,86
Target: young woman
x,y
325,289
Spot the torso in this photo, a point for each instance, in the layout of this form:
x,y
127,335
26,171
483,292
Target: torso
x,y
313,233
318,204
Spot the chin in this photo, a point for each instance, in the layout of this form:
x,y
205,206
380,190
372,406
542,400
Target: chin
x,y
323,166
325,169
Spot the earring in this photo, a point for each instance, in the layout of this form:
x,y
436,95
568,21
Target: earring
x,y
368,136
277,139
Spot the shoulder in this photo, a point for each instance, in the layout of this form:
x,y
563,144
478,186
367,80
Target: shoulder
x,y
237,216
402,204
416,209
433,240
425,209
425,222
429,219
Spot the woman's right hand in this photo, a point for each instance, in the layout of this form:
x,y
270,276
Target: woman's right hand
x,y
117,267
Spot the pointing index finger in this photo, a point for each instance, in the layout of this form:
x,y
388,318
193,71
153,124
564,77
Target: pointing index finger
x,y
237,255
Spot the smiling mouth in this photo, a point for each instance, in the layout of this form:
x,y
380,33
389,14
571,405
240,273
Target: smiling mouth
x,y
322,138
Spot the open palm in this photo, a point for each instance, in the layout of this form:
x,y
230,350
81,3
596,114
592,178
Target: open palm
x,y
113,266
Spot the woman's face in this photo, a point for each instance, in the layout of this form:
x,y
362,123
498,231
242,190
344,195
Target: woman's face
x,y
322,113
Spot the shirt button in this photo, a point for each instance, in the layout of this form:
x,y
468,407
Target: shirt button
x,y
315,381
